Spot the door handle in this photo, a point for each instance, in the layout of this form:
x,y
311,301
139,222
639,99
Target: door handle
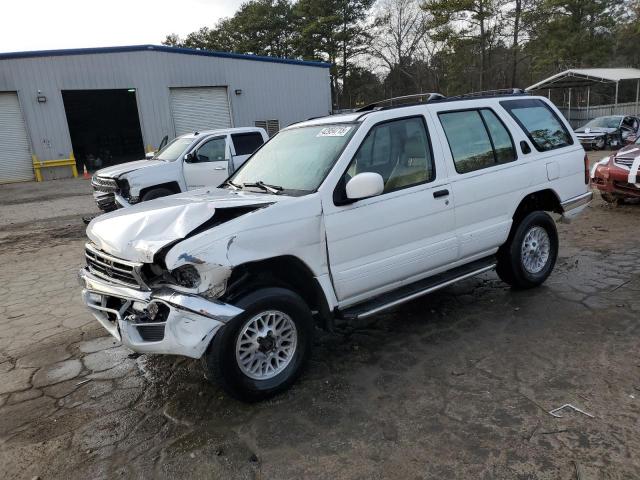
x,y
219,168
524,146
441,193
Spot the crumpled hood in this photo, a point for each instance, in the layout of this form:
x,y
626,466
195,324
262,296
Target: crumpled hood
x,y
116,170
594,131
139,232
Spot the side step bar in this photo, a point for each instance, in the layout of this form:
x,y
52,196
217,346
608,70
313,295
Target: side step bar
x,y
417,289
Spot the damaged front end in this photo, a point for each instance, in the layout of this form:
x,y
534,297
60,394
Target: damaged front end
x,y
151,316
150,306
163,321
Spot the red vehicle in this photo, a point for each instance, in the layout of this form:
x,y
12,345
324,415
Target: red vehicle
x,y
618,176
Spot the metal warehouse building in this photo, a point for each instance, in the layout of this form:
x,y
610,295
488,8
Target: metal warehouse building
x,y
110,105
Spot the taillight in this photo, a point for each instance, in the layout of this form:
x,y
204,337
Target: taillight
x,y
586,170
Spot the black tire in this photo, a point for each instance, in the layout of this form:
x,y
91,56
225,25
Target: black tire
x,y
511,266
156,193
609,197
221,365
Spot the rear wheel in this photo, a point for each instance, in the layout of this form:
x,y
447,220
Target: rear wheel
x,y
156,193
609,197
262,351
527,258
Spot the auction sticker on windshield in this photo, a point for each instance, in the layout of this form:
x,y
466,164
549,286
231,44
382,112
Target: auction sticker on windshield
x,y
333,132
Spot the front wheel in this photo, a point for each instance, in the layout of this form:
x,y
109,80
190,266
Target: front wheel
x,y
527,258
600,143
262,351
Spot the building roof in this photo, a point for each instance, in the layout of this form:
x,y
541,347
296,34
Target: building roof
x,y
585,77
157,48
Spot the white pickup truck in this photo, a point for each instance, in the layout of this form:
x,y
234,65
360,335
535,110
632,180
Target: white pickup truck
x,y
188,162
333,219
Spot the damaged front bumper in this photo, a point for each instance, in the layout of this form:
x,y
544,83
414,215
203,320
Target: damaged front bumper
x,y
617,181
162,321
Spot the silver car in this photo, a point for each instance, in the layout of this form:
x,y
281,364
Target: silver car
x,y
609,131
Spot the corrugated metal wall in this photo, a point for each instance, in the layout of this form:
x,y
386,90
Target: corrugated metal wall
x,y
287,92
581,115
15,159
196,108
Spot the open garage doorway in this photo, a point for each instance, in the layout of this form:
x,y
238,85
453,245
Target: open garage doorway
x,y
104,126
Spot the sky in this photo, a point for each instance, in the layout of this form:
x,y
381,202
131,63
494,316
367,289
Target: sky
x,y
52,24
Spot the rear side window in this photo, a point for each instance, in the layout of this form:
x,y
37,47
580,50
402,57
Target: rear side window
x,y
477,139
539,122
246,143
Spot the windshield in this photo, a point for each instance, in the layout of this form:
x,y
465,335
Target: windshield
x,y
296,159
604,122
173,149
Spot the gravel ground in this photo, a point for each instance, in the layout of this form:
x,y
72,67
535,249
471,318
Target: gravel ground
x,y
457,384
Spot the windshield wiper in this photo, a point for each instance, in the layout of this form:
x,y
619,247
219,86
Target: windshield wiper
x,y
265,186
234,185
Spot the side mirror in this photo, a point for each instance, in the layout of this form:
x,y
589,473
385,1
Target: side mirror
x,y
365,185
189,157
149,155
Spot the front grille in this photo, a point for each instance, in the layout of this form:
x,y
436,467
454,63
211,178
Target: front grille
x,y
104,184
113,269
151,333
626,162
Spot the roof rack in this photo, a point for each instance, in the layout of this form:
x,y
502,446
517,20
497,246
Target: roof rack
x,y
394,102
488,93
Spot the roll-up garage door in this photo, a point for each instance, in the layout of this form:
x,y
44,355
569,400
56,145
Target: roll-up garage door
x,y
15,158
200,108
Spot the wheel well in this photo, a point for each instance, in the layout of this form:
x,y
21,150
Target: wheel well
x,y
173,186
545,200
285,271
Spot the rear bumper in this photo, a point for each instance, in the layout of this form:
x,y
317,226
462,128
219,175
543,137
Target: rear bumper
x,y
574,205
185,327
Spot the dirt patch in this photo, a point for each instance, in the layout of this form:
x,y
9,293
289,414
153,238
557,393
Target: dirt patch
x,y
43,198
28,238
457,384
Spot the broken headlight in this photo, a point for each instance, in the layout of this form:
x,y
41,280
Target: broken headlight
x,y
123,185
186,276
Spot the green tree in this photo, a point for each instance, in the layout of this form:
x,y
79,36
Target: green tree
x,y
628,34
265,27
473,21
333,31
573,33
260,27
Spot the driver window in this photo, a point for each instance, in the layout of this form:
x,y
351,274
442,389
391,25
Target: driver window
x,y
399,151
627,123
211,151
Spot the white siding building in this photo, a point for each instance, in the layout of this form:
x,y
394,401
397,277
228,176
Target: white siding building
x,y
109,105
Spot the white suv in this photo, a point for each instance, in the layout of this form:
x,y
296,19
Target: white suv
x,y
336,218
188,162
